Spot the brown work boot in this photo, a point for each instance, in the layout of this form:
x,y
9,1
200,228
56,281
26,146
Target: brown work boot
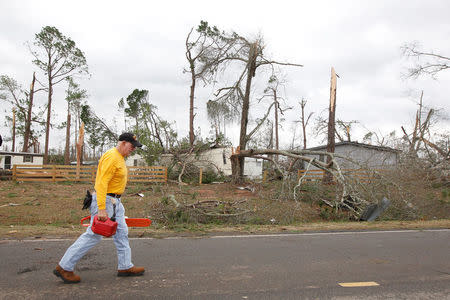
x,y
66,276
133,271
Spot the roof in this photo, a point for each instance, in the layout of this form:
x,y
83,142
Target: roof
x,y
20,153
356,144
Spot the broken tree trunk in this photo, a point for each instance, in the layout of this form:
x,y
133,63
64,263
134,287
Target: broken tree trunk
x,y
14,131
27,133
245,109
327,178
79,148
67,148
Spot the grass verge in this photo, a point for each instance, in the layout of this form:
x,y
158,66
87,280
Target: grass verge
x,y
46,232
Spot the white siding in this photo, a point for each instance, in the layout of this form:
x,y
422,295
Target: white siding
x,y
18,159
218,159
367,157
135,160
253,167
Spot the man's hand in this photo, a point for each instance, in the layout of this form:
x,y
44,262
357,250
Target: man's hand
x,y
102,215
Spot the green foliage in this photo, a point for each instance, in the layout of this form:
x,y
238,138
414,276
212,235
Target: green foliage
x,y
99,134
165,200
155,133
178,216
135,102
152,150
211,176
59,55
208,30
56,159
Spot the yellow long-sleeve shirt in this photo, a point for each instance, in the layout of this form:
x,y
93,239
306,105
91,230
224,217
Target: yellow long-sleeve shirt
x,y
111,176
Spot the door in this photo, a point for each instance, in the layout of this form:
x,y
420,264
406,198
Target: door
x,y
7,162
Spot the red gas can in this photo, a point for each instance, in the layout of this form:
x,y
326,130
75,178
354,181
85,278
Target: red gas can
x,y
107,228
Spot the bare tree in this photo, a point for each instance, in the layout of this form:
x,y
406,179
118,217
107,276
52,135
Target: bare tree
x,y
204,54
273,91
22,101
220,115
304,120
428,63
249,53
419,141
342,130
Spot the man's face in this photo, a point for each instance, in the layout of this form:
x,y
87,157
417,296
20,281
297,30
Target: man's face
x,y
128,148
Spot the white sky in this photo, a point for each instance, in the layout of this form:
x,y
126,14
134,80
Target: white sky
x,y
141,44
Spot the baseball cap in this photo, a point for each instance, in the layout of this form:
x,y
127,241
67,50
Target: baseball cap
x,y
129,137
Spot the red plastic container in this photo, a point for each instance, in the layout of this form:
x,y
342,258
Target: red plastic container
x,y
107,228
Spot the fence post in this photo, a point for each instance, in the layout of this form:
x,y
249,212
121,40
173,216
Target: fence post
x,y
54,173
165,174
93,173
200,177
265,176
77,172
14,177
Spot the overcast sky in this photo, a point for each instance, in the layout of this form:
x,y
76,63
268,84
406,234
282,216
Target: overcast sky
x,y
141,44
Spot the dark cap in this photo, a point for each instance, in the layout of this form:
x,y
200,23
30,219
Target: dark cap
x,y
129,137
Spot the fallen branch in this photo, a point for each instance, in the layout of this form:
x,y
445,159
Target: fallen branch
x,y
10,204
206,207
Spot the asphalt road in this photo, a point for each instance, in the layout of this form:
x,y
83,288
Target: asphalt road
x,y
396,265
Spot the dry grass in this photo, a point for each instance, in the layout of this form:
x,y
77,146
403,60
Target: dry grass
x,y
54,209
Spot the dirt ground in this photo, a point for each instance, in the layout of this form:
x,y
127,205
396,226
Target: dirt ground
x,y
38,210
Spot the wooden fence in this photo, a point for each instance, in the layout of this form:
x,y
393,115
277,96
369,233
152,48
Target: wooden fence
x,y
360,174
54,173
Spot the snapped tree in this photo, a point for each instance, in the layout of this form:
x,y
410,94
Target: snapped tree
x,y
74,97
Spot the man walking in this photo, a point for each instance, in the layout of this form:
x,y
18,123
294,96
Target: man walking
x,y
109,185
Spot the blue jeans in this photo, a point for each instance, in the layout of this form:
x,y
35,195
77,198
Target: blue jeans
x,y
89,239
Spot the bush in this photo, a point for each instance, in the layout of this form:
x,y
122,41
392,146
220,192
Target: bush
x,y
56,159
211,176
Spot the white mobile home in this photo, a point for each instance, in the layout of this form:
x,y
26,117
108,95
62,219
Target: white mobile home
x,y
217,159
9,159
135,160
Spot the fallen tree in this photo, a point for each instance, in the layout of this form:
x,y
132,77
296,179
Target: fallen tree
x,y
351,195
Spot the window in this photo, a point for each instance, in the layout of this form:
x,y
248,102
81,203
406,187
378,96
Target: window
x,y
322,158
135,162
27,158
224,158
